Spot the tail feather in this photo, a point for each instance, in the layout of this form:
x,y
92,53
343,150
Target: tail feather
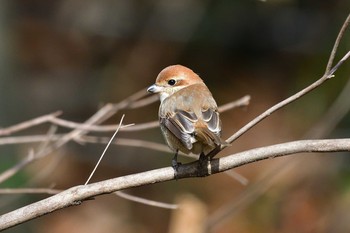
x,y
210,138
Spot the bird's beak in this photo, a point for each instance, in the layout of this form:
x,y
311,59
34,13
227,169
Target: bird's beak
x,y
154,89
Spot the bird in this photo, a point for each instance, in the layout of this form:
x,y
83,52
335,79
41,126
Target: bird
x,y
188,113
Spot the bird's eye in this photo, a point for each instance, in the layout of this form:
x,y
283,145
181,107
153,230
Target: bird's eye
x,y
171,82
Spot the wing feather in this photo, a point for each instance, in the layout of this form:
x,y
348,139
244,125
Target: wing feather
x,y
174,125
211,118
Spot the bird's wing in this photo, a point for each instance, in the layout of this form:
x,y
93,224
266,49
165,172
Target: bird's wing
x,y
209,128
181,124
188,129
211,117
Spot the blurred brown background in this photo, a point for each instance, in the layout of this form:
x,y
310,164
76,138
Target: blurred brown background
x,y
74,55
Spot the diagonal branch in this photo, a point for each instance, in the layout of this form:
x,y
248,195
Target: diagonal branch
x,y
104,151
327,75
336,44
285,102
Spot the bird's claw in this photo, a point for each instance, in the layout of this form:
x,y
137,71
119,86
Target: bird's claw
x,y
175,166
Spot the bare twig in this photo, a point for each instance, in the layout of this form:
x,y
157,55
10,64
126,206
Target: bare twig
x,y
144,102
283,103
19,166
335,68
30,191
244,101
142,126
50,133
327,75
104,151
334,114
238,177
29,123
335,46
52,118
134,143
241,102
128,142
32,156
146,201
101,115
77,194
87,139
88,127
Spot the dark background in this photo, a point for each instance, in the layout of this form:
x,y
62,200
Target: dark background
x,y
74,55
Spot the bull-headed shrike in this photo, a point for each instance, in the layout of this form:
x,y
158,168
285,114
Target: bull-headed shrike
x,y
188,114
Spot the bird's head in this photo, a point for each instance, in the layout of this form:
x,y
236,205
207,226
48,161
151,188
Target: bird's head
x,y
172,79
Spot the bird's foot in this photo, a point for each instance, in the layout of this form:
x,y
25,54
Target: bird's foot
x,y
175,164
204,162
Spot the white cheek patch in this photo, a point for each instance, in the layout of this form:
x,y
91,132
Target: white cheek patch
x,y
163,96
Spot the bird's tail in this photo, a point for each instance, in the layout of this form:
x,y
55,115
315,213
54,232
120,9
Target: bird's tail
x,y
210,138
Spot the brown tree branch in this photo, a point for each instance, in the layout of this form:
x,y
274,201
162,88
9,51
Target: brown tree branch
x,y
76,195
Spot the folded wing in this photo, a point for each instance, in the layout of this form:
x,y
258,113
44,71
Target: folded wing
x,y
190,128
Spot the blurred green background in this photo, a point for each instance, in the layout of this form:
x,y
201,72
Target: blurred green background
x,y
74,55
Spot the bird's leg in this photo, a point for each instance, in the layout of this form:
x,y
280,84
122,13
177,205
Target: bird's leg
x,y
203,164
202,157
174,163
214,152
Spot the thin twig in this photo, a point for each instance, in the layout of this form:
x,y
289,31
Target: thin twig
x,y
30,191
101,115
29,159
334,114
104,113
142,126
88,127
29,123
128,142
5,175
241,102
104,151
238,177
52,118
281,104
146,201
306,90
51,132
87,139
335,68
336,44
144,102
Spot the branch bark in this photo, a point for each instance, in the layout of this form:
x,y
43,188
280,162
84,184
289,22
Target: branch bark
x,y
76,195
